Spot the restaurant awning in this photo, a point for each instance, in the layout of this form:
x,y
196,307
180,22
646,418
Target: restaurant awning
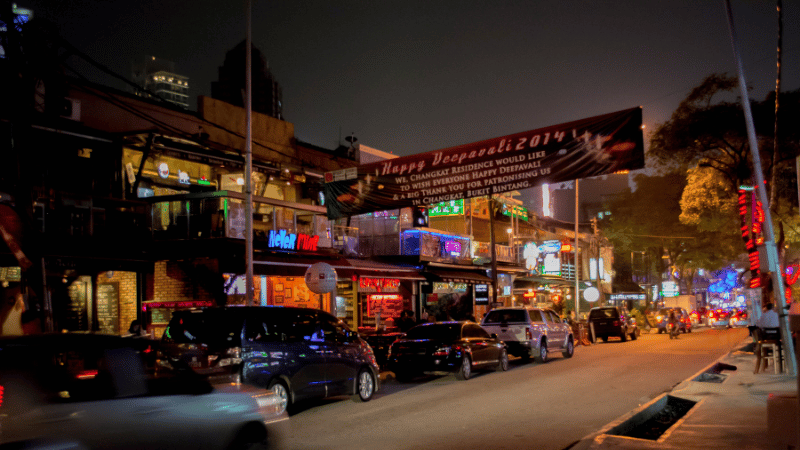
x,y
456,276
293,265
377,269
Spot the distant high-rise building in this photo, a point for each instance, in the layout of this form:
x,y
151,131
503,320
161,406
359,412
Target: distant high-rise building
x,y
267,93
157,76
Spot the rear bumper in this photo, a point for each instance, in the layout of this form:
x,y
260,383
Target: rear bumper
x,y
519,348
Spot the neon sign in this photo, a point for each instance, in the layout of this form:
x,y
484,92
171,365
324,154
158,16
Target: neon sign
x,y
453,248
751,235
291,241
451,208
379,284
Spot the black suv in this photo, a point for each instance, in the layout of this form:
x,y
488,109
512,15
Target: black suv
x,y
612,321
299,353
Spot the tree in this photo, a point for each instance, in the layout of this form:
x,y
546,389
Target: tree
x,y
707,135
648,219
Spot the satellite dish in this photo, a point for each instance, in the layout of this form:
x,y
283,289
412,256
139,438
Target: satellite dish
x,y
321,278
591,294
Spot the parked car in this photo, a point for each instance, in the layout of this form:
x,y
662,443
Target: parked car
x,y
446,347
612,321
87,391
380,341
531,332
299,353
685,321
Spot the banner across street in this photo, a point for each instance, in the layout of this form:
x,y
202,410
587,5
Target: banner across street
x,y
580,149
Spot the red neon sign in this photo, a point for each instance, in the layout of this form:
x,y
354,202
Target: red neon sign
x,y
379,284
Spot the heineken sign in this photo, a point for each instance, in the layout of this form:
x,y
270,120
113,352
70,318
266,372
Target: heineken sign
x,y
583,148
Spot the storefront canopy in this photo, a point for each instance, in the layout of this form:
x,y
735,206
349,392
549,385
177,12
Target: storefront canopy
x,y
377,269
292,265
456,276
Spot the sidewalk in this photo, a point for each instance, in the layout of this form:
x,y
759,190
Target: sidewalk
x,y
728,415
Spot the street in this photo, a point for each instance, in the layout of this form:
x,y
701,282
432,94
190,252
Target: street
x,y
548,406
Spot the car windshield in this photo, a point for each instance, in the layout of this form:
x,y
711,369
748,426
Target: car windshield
x,y
436,331
604,313
506,315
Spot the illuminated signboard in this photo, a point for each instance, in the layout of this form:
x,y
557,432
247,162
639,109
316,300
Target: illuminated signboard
x,y
553,246
627,296
552,264
669,289
389,305
451,208
379,284
531,255
291,241
520,212
481,294
452,248
163,170
184,178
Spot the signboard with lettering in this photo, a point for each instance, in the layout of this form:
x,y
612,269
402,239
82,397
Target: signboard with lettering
x,y
481,294
367,284
108,307
583,148
627,296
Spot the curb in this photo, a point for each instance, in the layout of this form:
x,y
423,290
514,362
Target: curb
x,y
593,440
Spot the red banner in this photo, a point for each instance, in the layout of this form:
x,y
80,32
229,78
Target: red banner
x,y
584,148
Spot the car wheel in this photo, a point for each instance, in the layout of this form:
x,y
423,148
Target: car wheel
x,y
661,330
634,335
624,335
465,370
542,357
605,338
365,386
280,389
502,365
570,349
689,330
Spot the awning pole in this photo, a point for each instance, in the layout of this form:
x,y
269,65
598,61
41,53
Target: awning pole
x,y
577,277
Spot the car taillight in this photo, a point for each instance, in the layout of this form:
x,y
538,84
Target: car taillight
x,y
2,394
616,323
231,357
442,351
528,334
660,319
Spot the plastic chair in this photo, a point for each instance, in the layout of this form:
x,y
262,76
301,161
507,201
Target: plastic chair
x,y
768,347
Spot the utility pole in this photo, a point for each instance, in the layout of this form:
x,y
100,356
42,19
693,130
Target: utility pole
x,y
769,232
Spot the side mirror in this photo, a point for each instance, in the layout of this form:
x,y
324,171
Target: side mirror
x,y
493,335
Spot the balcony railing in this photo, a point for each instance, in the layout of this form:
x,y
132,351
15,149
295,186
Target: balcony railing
x,y
221,214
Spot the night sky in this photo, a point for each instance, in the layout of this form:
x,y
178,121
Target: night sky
x,y
414,76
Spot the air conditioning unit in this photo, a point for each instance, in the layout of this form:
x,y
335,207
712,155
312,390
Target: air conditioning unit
x,y
71,109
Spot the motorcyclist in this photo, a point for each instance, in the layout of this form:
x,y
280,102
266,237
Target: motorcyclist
x,y
673,324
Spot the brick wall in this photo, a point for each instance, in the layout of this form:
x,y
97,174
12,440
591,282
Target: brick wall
x,y
127,296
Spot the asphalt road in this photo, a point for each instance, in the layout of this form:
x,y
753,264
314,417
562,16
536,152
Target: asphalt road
x,y
531,406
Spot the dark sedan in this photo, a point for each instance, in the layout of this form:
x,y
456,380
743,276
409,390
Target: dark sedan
x,y
446,347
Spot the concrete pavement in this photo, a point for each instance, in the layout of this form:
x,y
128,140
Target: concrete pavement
x,y
743,411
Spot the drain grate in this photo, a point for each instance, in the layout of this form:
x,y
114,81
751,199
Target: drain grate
x,y
708,377
714,373
652,422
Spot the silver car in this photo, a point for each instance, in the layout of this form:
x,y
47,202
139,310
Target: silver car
x,y
530,332
95,391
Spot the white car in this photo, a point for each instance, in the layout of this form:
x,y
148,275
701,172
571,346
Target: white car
x,y
109,392
529,331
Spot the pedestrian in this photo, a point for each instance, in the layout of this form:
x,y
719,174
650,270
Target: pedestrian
x,y
769,319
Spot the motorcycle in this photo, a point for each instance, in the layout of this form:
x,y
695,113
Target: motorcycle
x,y
674,330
